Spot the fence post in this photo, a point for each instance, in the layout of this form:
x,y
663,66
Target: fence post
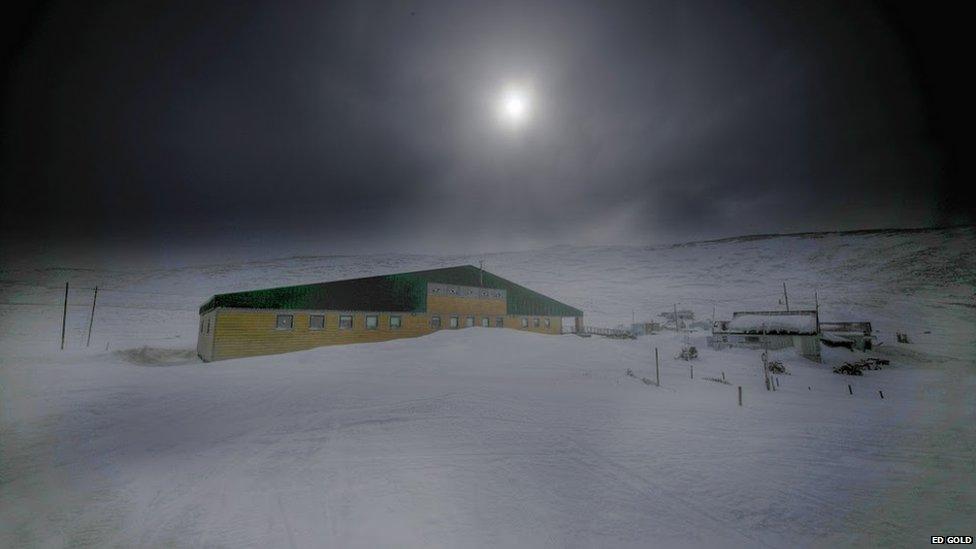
x,y
740,395
92,319
657,368
64,314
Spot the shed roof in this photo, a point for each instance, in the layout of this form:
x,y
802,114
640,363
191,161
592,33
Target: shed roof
x,y
406,292
774,322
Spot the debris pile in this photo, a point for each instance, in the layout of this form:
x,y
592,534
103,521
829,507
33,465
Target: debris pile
x,y
688,352
857,368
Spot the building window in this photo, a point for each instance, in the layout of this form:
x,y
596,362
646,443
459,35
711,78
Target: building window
x,y
395,322
500,322
284,322
435,322
535,322
469,322
547,322
345,322
372,322
316,322
525,322
485,322
453,322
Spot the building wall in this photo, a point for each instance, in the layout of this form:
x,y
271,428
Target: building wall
x,y
807,346
252,332
466,306
205,334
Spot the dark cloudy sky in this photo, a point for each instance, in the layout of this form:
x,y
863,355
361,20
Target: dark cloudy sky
x,y
371,125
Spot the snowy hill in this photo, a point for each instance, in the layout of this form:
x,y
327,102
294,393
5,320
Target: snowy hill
x,y
912,281
480,437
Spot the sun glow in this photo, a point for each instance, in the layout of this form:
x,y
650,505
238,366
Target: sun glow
x,y
514,106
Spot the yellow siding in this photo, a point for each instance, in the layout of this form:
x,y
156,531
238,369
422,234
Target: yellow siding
x,y
515,321
251,332
248,332
465,306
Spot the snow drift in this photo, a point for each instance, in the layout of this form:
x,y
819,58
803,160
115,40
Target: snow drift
x,y
488,437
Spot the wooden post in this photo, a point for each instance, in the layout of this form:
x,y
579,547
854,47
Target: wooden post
x,y
723,376
765,358
765,369
91,320
676,317
786,297
740,395
657,368
692,371
880,392
64,315
850,390
816,304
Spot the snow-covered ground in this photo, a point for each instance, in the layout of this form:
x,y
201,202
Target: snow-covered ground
x,y
486,437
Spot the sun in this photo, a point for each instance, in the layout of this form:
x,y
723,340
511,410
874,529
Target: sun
x,y
514,106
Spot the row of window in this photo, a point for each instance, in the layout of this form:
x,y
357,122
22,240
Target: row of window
x,y
372,322
455,321
468,292
317,322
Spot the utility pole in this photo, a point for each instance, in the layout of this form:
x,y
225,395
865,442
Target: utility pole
x,y
92,319
786,297
64,315
816,302
676,317
481,273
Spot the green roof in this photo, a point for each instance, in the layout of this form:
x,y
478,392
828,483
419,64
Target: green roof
x,y
405,292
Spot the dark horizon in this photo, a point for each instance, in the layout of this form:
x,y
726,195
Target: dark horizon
x,y
357,127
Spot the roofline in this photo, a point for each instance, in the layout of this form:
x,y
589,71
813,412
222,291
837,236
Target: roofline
x,y
203,308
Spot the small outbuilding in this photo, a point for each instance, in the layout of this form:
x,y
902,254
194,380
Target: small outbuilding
x,y
769,330
378,308
850,335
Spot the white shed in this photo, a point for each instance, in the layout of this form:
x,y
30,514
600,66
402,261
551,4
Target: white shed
x,y
769,330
